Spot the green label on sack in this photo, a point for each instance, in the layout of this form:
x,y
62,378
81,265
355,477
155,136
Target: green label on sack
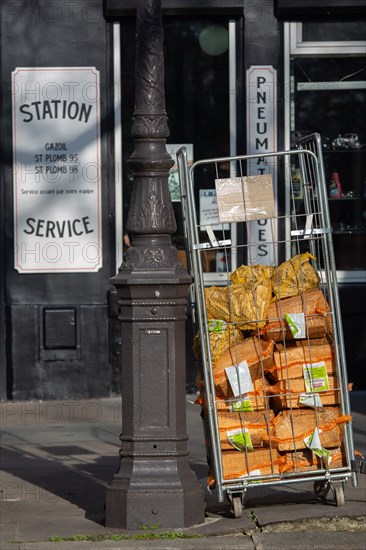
x,y
296,323
217,326
243,405
240,439
316,377
327,459
313,443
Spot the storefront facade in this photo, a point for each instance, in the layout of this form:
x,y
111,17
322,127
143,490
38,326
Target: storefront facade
x,y
232,78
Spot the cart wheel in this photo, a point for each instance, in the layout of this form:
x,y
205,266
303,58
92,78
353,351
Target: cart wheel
x,y
339,495
238,505
321,489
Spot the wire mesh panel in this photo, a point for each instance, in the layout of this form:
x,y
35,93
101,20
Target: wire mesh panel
x,y
269,344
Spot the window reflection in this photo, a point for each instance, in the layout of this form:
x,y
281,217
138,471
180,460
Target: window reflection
x,y
334,31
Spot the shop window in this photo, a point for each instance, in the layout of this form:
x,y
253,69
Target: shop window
x,y
328,96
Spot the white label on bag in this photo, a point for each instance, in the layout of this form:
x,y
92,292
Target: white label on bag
x,y
239,378
296,323
313,442
316,377
310,399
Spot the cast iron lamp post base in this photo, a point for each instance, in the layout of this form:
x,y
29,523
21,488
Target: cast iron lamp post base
x,y
154,484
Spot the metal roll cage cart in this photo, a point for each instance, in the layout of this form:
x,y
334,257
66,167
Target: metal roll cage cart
x,y
304,232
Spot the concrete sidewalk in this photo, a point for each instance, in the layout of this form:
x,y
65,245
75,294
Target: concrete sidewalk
x,y
59,457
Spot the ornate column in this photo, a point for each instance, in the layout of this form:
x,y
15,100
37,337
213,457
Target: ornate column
x,y
154,484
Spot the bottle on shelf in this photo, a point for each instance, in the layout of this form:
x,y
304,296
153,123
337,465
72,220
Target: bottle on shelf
x,y
335,188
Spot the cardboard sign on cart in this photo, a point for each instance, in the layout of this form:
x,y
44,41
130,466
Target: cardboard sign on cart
x,y
245,198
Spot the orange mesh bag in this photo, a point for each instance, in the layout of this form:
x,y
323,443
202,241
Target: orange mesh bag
x,y
289,360
233,426
294,276
257,353
299,461
256,400
220,341
287,393
259,462
337,459
312,303
290,428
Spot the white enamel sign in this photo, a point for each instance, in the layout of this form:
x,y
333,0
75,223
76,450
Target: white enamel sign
x,y
262,138
57,170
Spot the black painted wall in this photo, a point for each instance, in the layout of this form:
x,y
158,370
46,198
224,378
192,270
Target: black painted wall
x,y
73,308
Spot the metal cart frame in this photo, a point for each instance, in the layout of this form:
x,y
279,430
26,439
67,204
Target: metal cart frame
x,y
311,229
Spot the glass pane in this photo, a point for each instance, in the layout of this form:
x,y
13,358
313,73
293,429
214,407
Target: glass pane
x,y
329,97
335,108
197,86
334,31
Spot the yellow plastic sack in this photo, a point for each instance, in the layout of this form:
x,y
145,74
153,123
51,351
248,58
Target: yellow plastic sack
x,y
220,341
247,275
249,306
294,276
243,304
250,295
217,303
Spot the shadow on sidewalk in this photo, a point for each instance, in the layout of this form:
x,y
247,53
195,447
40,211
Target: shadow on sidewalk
x,y
46,475
67,473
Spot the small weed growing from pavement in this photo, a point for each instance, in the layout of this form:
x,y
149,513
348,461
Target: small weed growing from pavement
x,y
139,536
147,527
255,520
